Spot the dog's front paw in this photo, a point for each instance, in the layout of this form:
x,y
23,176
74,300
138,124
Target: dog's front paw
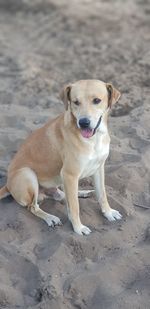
x,y
112,215
82,230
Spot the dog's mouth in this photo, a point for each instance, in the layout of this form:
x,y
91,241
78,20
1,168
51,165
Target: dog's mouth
x,y
88,132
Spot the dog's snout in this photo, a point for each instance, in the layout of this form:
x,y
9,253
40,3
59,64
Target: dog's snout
x,y
84,122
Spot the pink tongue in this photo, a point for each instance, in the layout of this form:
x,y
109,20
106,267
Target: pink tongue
x,y
87,133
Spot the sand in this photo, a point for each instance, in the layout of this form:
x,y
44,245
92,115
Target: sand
x,y
43,45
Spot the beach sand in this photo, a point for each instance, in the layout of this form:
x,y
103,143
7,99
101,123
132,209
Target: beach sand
x,y
44,45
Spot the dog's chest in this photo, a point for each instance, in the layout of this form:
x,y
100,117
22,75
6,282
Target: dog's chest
x,y
99,153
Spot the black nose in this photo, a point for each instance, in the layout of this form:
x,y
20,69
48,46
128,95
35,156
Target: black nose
x,y
84,123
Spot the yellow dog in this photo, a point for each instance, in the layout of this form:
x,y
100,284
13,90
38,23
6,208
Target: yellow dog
x,y
72,146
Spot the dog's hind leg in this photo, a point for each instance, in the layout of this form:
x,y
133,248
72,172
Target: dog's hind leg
x,y
42,196
59,195
24,188
49,219
85,193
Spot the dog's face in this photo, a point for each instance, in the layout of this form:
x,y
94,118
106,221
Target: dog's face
x,y
88,100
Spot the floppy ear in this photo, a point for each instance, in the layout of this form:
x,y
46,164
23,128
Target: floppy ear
x,y
113,95
65,95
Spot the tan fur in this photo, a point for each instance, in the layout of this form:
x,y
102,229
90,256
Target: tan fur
x,y
58,154
4,192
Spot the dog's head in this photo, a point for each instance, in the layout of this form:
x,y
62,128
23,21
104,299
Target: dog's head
x,y
88,101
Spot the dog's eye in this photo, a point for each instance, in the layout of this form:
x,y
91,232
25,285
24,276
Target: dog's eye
x,y
76,102
96,101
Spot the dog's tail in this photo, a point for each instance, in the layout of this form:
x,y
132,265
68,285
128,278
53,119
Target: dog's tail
x,y
4,192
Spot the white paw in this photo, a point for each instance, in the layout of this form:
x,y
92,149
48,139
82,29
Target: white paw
x,y
112,215
52,220
42,197
85,193
58,195
82,230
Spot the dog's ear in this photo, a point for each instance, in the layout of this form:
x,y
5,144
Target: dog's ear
x,y
65,95
113,95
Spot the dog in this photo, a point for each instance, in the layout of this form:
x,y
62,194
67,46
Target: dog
x,y
68,148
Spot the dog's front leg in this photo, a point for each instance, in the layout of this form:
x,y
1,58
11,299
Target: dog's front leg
x,y
108,212
70,183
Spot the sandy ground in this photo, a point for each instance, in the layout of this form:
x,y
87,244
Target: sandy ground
x,y
43,45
